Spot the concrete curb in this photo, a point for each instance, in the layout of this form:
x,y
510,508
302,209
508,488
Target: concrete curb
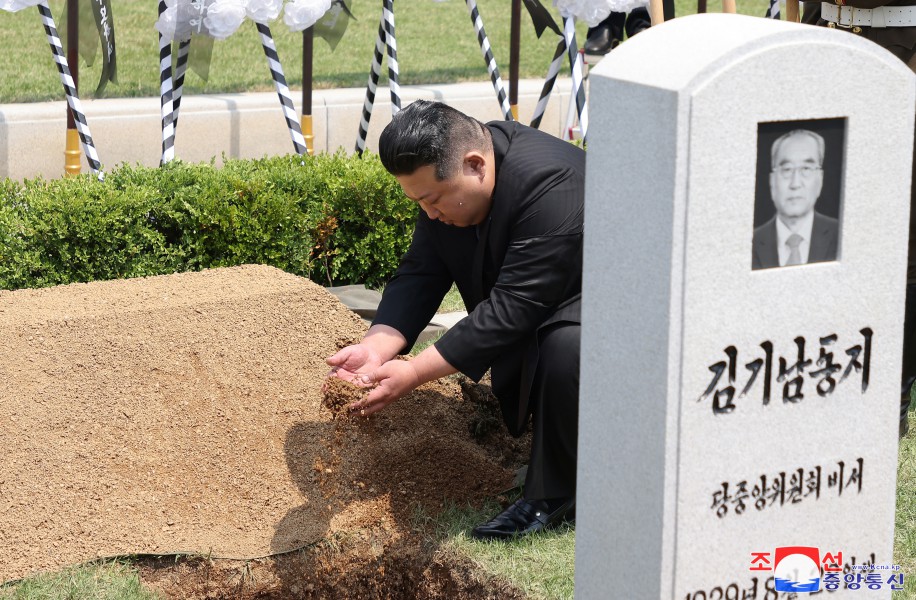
x,y
364,302
127,130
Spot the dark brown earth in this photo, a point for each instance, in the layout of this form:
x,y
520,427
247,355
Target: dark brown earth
x,y
339,394
184,413
370,564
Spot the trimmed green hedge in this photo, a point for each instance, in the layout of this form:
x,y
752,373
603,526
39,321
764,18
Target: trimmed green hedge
x,y
335,219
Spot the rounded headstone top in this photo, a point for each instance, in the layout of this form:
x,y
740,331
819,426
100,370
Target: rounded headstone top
x,y
681,52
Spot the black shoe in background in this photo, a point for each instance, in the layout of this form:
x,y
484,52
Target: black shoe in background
x,y
606,35
600,42
638,20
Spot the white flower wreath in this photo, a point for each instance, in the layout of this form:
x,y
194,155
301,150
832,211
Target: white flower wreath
x,y
299,15
221,18
590,11
178,20
17,5
224,17
595,11
264,11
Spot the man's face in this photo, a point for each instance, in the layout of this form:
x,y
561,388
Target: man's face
x,y
461,200
797,178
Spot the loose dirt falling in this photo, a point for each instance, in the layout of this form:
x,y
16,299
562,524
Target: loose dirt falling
x,y
184,413
339,395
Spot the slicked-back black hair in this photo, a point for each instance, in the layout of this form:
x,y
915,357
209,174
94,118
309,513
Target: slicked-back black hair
x,y
430,133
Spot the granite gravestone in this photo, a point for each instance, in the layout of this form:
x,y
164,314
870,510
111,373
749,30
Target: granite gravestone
x,y
739,405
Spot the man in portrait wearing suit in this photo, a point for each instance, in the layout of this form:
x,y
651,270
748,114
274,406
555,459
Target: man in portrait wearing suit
x,y
501,217
797,234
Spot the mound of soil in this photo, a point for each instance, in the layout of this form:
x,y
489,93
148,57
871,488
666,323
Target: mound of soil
x,y
184,413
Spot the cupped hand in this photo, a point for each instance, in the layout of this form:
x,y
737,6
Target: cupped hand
x,y
391,380
352,361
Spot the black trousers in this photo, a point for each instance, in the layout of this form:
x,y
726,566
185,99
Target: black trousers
x,y
634,22
909,324
554,406
909,350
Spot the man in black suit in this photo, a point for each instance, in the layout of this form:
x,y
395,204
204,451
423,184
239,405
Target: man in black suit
x,y
797,234
502,209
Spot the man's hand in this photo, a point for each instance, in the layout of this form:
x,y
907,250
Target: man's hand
x,y
398,377
393,379
380,345
352,361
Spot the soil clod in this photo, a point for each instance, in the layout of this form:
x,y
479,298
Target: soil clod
x,y
340,394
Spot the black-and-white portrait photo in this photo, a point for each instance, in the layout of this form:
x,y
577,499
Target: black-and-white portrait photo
x,y
798,197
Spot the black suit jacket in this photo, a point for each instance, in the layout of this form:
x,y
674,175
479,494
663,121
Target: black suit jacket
x,y
518,271
825,235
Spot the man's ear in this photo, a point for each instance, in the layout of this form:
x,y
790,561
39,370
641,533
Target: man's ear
x,y
475,164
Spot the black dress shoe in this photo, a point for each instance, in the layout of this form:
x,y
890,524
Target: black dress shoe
x,y
600,41
524,517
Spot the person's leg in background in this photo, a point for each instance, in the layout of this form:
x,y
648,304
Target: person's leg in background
x,y
638,20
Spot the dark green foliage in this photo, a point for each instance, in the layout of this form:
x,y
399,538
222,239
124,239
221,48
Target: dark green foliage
x,y
335,219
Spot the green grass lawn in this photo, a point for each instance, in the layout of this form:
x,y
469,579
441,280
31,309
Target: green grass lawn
x,y
452,302
905,525
542,566
107,581
436,44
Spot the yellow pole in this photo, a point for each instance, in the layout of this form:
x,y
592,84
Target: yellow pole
x,y
792,11
72,150
306,123
515,36
72,153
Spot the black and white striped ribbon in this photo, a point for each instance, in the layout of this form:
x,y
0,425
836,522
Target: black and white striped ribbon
x,y
549,82
487,51
578,83
286,99
371,87
773,10
167,112
393,77
181,68
66,78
